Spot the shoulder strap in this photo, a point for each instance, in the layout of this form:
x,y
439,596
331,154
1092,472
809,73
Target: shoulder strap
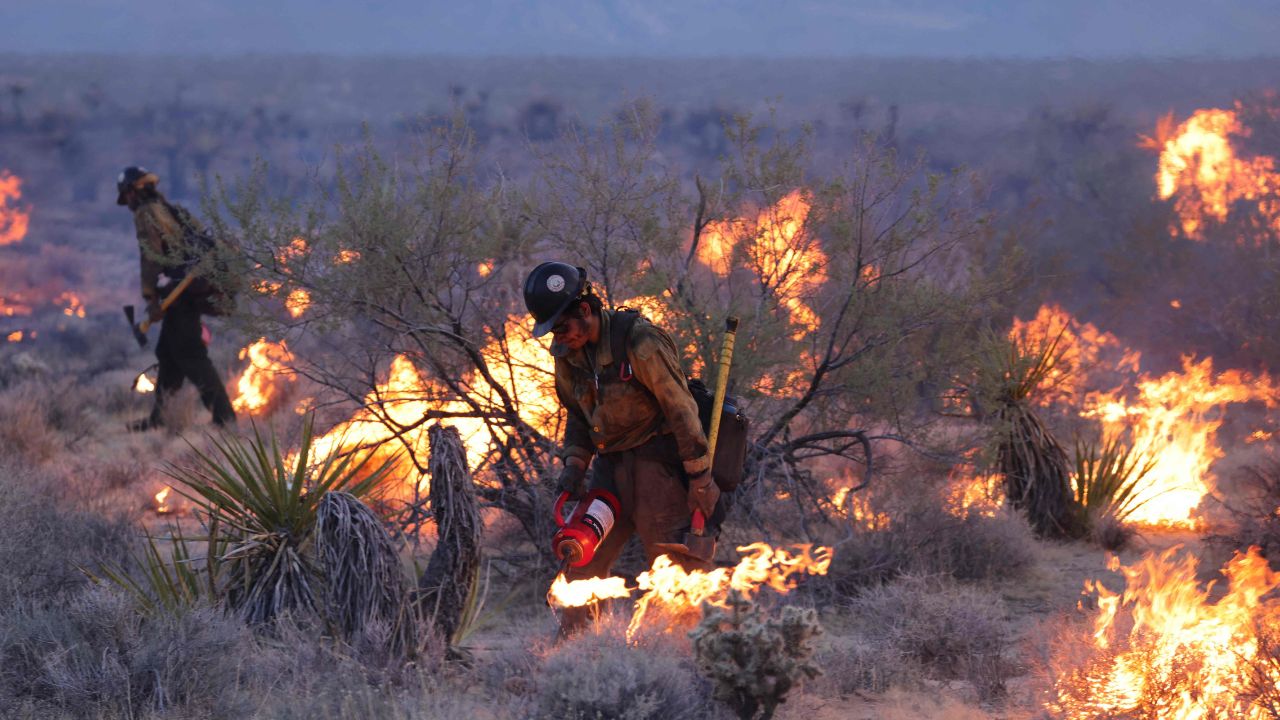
x,y
620,325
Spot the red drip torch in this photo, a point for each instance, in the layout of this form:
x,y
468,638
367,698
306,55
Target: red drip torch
x,y
582,530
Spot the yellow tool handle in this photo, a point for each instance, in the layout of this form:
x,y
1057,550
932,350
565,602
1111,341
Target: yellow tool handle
x,y
169,300
722,384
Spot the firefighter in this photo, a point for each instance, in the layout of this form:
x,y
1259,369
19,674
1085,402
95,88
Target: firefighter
x,y
164,249
631,420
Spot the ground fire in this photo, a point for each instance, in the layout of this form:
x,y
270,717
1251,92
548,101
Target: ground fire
x,y
669,591
14,217
1164,647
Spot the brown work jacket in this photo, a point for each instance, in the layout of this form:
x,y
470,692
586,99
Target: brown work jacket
x,y
610,412
160,242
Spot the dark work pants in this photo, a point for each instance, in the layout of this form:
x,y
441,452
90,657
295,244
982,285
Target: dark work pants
x,y
183,356
652,491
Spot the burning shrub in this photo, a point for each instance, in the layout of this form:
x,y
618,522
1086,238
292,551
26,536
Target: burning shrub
x,y
953,631
754,661
1035,467
1109,487
1253,507
600,675
1162,649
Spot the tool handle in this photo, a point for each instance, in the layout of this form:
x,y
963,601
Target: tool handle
x,y
559,511
698,524
722,384
169,300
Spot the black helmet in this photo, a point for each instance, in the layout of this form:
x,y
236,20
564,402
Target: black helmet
x,y
132,178
549,290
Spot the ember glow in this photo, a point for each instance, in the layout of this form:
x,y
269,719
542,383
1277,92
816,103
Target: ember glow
x,y
71,304
12,306
297,302
1175,419
1162,646
261,381
14,218
1202,171
15,336
669,593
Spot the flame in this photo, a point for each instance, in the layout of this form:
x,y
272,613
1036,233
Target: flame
x,y
296,249
346,257
161,497
1200,170
297,302
1175,419
578,593
1079,346
787,260
968,494
484,268
73,306
1162,640
14,220
11,306
670,591
143,384
518,363
15,336
258,384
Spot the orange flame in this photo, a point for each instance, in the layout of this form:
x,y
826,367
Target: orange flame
x,y
15,336
1174,419
14,220
161,506
11,306
268,366
1079,346
787,260
518,363
1201,171
297,302
969,494
1162,639
73,306
675,594
579,593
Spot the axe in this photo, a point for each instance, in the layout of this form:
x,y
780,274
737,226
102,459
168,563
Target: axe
x,y
140,329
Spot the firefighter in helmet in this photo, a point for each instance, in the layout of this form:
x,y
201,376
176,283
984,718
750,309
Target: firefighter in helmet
x,y
631,419
164,244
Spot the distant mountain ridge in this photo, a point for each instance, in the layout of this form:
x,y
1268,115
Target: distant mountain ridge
x,y
768,28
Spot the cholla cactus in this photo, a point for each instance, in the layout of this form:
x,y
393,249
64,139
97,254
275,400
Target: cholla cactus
x,y
754,660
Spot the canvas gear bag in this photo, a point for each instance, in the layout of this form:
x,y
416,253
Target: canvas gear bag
x,y
729,463
216,292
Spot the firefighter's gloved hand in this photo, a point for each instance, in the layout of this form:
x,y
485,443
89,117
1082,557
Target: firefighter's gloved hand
x,y
154,313
703,493
573,478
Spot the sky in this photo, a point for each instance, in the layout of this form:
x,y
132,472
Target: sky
x,y
647,28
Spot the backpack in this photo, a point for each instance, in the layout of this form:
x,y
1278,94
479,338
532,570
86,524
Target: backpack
x,y
216,293
731,445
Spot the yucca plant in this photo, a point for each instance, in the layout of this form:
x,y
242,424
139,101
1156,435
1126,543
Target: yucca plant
x,y
169,582
260,505
1034,465
1110,480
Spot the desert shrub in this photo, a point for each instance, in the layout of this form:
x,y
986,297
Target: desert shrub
x,y
924,538
98,656
1253,509
26,431
597,675
752,659
1109,485
262,507
954,631
43,544
864,663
